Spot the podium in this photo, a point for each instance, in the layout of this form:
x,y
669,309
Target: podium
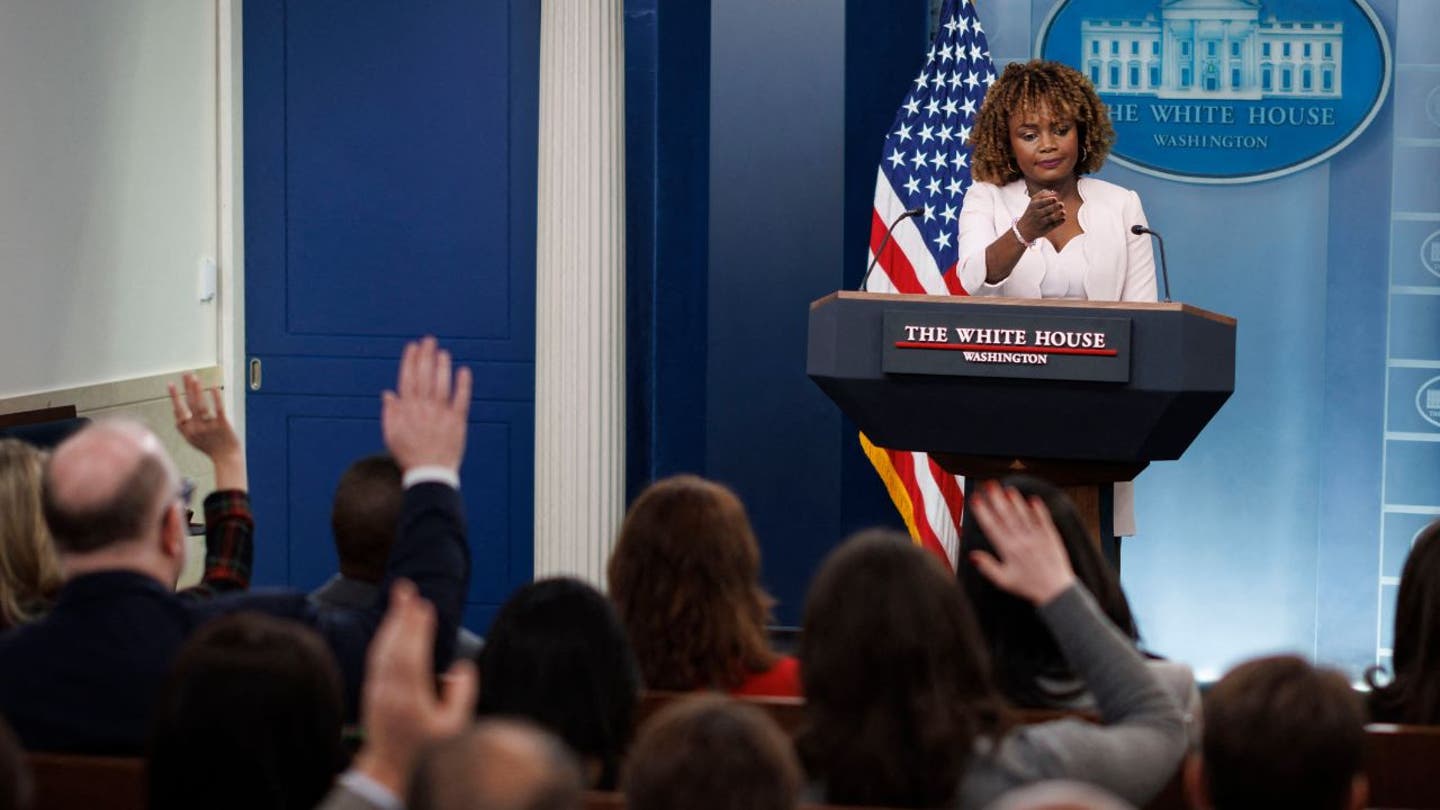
x,y
1080,393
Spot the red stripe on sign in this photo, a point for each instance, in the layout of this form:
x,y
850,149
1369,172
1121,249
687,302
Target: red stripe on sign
x,y
893,260
988,347
904,464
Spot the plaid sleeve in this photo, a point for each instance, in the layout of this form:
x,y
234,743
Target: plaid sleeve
x,y
229,545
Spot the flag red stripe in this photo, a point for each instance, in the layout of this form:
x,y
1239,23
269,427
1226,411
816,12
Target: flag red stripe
x,y
893,260
952,280
904,465
954,496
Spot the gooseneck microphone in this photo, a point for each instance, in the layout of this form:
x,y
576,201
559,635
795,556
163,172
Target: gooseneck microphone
x,y
1141,230
913,212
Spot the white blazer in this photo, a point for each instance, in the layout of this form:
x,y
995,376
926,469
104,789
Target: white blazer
x,y
1119,265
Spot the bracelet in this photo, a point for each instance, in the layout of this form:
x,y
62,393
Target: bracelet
x,y
1015,229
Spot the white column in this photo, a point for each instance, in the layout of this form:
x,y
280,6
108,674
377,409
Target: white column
x,y
580,289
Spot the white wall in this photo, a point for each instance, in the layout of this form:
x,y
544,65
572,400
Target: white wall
x,y
109,166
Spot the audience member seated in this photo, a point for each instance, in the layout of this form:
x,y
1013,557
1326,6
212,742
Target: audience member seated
x,y
402,711
29,564
29,569
557,656
497,765
711,753
685,576
1060,794
1413,694
902,709
1030,669
1280,733
363,518
249,718
15,786
85,677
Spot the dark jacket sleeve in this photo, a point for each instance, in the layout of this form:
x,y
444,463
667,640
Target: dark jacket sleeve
x,y
430,550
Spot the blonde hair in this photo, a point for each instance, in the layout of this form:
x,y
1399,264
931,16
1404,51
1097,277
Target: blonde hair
x,y
29,567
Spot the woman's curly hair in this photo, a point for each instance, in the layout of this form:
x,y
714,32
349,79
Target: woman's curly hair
x,y
1026,87
685,579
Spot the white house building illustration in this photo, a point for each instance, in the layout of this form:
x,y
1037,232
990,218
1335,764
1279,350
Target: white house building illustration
x,y
1213,49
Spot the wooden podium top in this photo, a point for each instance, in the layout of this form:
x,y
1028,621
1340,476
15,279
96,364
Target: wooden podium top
x,y
970,300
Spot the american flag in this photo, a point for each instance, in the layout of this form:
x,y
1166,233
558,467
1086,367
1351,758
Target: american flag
x,y
926,164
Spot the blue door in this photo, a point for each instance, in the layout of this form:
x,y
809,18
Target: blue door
x,y
389,193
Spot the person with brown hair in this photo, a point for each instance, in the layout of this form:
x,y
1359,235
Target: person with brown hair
x,y
1413,694
900,707
364,517
1280,733
249,717
1040,131
709,752
685,578
29,569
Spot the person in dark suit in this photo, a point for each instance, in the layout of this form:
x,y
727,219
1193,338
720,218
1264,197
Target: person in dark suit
x,y
363,518
85,678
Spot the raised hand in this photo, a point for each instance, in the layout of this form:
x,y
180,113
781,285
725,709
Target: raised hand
x,y
1044,214
1032,562
201,420
400,709
424,419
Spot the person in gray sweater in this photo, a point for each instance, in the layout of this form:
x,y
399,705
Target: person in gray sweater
x,y
1030,668
901,707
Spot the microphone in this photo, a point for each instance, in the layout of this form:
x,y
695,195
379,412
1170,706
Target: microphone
x,y
1141,230
913,212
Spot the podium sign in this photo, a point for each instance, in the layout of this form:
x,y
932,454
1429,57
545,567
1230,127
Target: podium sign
x,y
1173,367
1009,343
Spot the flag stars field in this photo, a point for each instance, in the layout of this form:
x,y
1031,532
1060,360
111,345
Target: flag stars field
x,y
926,153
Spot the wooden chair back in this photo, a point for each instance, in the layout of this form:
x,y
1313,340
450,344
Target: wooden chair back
x,y
1400,762
788,713
605,800
76,782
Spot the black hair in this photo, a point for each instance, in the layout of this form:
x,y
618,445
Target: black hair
x,y
558,656
249,717
897,682
1029,666
1413,695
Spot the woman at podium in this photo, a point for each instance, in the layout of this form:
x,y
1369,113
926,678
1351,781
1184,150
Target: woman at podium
x,y
1034,225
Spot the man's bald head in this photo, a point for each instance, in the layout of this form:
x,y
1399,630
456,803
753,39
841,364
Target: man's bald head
x,y
497,765
107,484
